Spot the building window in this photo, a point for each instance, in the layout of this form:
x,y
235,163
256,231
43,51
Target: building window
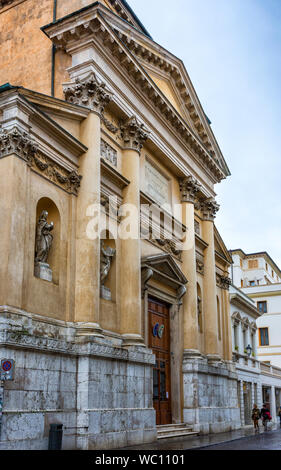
x,y
272,273
262,307
266,266
241,263
264,339
242,283
252,283
253,264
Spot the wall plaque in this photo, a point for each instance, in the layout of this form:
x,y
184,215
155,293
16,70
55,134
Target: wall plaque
x,y
156,184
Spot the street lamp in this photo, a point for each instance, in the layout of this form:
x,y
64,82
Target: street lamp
x,y
249,350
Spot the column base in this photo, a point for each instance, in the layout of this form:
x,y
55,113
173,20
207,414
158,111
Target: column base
x,y
192,353
132,340
89,329
214,358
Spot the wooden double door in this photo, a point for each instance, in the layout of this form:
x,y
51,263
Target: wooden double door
x,y
159,342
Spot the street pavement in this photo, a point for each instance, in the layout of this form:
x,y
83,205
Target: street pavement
x,y
245,438
270,440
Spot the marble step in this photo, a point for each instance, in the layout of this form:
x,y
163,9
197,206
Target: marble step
x,y
174,430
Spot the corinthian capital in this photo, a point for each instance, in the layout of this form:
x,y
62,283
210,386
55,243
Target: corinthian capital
x,y
209,208
88,92
134,134
18,142
189,187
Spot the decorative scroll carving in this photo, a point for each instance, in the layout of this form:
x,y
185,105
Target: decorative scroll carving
x,y
108,153
168,245
189,188
109,125
69,180
133,134
44,238
146,275
223,282
17,142
200,267
209,208
89,92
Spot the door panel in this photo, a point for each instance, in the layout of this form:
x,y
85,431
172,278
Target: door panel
x,y
159,342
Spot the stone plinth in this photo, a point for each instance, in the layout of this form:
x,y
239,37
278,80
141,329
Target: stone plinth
x,y
105,293
43,271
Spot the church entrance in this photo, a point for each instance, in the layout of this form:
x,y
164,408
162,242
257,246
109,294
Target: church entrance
x,y
159,342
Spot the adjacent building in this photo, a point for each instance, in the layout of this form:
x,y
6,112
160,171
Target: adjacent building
x,y
255,314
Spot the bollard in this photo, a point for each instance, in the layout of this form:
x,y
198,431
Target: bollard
x,y
55,437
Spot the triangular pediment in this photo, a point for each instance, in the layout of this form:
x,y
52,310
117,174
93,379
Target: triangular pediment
x,y
165,269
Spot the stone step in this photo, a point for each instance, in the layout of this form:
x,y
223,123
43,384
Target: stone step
x,y
177,434
169,426
168,431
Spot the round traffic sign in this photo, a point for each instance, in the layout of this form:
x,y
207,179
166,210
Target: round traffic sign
x,y
6,366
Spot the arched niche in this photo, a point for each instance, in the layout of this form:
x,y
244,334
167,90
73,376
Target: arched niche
x,y
108,242
46,204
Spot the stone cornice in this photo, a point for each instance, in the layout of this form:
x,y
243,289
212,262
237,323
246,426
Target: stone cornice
x,y
91,26
134,134
89,92
189,188
209,208
15,141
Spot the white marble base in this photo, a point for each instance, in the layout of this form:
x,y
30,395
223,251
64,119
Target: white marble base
x,y
105,293
43,271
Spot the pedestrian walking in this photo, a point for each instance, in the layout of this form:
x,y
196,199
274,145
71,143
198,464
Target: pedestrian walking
x,y
256,414
266,417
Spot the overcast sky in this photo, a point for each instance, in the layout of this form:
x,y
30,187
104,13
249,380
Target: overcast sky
x,y
232,52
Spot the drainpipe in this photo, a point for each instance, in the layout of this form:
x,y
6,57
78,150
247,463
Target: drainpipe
x,y
53,53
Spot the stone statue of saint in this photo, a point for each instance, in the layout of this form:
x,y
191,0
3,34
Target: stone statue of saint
x,y
44,239
105,262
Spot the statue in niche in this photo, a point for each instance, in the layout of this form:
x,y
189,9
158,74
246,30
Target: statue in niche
x,y
107,254
43,243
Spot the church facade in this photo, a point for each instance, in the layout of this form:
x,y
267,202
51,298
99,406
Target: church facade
x,y
114,286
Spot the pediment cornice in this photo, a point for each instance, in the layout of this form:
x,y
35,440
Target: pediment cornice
x,y
98,23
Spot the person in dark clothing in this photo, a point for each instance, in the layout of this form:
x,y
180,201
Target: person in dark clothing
x,y
256,414
265,415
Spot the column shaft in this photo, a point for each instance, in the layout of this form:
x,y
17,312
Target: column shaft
x,y
190,314
88,250
210,304
131,268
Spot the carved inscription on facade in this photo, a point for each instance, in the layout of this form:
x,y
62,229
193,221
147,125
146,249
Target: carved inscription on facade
x,y
156,184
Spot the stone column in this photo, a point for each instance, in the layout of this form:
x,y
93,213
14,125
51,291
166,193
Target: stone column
x,y
209,208
134,135
92,93
273,404
189,188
